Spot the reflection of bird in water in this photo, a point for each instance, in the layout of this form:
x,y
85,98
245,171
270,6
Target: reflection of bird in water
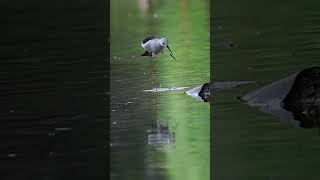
x,y
159,134
153,46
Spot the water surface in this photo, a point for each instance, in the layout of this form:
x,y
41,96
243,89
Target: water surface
x,y
162,134
274,40
53,90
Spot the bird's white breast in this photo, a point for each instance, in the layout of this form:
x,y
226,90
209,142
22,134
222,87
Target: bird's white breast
x,y
153,46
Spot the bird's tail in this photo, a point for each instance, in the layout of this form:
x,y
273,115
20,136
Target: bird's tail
x,y
146,53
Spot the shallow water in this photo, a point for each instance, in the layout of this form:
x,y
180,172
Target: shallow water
x,y
53,120
159,135
273,41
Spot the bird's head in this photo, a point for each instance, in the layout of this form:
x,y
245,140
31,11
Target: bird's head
x,y
164,42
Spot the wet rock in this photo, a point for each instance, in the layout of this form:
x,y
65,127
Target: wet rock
x,y
295,97
303,99
201,92
205,92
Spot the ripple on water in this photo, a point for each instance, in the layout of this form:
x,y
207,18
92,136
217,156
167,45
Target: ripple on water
x,y
166,89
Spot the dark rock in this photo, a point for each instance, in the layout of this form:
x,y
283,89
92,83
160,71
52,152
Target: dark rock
x,y
303,99
201,92
294,97
205,92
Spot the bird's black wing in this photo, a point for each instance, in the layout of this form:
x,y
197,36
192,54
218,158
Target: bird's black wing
x,y
148,38
146,53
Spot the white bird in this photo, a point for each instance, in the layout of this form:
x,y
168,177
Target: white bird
x,y
154,45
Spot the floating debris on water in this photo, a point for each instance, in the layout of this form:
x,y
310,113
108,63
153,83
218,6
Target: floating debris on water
x,y
51,134
126,103
50,154
12,155
63,129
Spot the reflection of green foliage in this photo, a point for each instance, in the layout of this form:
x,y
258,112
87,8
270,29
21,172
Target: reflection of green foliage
x,y
191,124
185,23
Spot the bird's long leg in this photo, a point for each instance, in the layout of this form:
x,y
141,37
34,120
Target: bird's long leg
x,y
155,74
151,64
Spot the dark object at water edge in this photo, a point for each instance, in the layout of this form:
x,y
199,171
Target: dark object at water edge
x,y
205,92
201,92
294,97
303,99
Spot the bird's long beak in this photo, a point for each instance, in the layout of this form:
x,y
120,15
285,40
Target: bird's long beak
x,y
171,53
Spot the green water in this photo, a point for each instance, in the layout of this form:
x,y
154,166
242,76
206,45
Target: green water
x,y
274,40
134,113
